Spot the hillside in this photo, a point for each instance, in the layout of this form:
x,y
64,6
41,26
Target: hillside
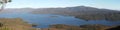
x,y
82,12
14,24
82,27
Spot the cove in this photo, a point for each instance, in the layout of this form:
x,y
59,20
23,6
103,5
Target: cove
x,y
44,20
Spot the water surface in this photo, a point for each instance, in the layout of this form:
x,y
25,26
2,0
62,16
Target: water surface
x,y
44,20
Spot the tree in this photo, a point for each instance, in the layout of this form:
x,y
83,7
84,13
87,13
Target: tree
x,y
3,3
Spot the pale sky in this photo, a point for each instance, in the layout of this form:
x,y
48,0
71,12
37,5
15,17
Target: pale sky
x,y
108,4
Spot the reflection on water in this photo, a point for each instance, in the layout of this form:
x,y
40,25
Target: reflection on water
x,y
43,20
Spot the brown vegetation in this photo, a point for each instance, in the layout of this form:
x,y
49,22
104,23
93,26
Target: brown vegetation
x,y
82,27
14,24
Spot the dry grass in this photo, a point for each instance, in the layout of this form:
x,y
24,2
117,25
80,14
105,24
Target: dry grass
x,y
14,24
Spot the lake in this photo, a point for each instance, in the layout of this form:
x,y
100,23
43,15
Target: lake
x,y
44,20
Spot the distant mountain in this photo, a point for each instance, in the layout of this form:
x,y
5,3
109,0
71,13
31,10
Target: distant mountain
x,y
78,10
17,10
82,12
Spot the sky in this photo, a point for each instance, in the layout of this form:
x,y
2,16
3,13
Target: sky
x,y
107,4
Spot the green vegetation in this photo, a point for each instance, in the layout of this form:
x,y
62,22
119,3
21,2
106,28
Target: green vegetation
x,y
63,27
81,27
108,16
94,27
14,24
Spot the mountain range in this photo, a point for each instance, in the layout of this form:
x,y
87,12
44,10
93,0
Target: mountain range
x,y
82,12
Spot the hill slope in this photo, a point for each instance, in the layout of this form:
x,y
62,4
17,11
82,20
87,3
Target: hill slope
x,y
82,12
14,24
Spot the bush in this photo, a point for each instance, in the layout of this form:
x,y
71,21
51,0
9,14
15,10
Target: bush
x,y
1,24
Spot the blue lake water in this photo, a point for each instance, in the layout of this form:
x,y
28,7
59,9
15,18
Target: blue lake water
x,y
44,20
